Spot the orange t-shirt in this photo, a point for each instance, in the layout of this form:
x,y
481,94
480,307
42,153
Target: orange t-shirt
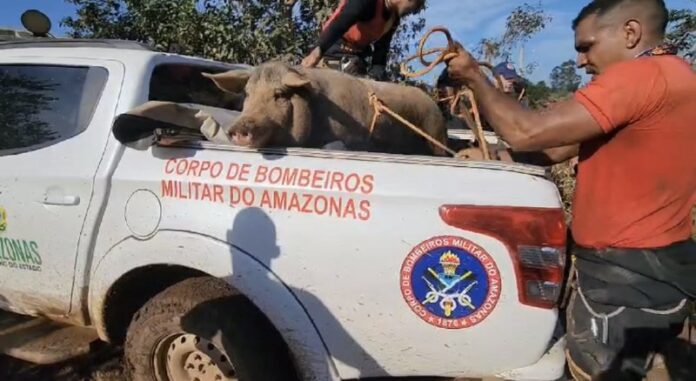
x,y
636,184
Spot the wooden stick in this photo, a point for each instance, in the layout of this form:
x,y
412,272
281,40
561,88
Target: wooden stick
x,y
521,95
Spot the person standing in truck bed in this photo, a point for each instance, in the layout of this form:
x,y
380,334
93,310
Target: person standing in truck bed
x,y
634,128
357,30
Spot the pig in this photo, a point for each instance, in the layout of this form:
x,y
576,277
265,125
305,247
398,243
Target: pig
x,y
298,107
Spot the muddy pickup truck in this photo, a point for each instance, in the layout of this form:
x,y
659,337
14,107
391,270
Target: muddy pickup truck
x,y
213,262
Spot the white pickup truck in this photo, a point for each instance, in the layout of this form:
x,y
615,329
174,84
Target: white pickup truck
x,y
213,262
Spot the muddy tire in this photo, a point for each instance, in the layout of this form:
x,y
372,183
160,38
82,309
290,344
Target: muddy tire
x,y
201,329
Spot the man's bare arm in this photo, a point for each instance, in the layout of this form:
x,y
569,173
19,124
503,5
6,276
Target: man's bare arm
x,y
565,123
547,157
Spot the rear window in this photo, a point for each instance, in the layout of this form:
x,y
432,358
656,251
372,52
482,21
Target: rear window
x,y
43,105
181,83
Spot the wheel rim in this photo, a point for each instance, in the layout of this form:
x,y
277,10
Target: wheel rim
x,y
186,357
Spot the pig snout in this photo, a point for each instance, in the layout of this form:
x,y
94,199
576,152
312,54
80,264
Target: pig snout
x,y
252,132
242,134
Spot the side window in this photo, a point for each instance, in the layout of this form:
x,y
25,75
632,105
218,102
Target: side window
x,y
42,105
182,83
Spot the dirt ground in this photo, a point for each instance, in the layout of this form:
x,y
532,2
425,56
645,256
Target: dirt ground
x,y
104,364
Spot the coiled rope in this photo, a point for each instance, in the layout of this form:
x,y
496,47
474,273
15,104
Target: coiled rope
x,y
445,54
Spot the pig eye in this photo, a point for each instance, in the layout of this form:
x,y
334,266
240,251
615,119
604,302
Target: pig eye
x,y
278,94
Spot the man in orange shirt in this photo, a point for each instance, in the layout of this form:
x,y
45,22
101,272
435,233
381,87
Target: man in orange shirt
x,y
634,127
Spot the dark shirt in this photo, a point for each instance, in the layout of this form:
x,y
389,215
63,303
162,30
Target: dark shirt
x,y
353,12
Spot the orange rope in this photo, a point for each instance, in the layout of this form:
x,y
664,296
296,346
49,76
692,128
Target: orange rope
x,y
380,107
479,125
445,54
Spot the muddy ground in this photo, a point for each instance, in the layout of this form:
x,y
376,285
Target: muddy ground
x,y
104,364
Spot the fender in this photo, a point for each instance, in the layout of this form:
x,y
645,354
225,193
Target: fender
x,y
224,261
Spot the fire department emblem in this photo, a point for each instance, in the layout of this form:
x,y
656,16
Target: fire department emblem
x,y
450,282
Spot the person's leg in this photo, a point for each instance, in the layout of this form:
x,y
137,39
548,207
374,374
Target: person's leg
x,y
615,343
586,354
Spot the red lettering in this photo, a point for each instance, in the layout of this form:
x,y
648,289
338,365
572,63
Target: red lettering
x,y
205,166
290,176
196,191
261,174
304,178
350,209
244,174
294,202
318,177
248,197
266,200
233,171
216,170
307,200
321,210
169,167
181,189
368,184
280,200
193,167
217,193
337,181
207,194
181,169
168,188
353,177
335,206
364,213
235,196
275,175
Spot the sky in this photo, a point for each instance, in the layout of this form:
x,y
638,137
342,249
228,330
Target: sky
x,y
468,20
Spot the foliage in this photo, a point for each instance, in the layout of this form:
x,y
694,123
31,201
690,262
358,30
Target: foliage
x,y
563,175
681,32
233,31
522,23
565,78
537,94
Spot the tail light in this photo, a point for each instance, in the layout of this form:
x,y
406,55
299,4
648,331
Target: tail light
x,y
535,237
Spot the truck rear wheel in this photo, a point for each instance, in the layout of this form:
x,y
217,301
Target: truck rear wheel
x,y
200,329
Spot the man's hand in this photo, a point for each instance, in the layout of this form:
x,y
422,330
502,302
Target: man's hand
x,y
463,68
312,59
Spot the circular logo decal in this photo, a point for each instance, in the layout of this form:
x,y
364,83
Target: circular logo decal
x,y
450,282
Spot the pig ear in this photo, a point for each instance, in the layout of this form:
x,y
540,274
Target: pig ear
x,y
233,81
295,80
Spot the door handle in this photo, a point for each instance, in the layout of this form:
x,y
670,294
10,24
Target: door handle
x,y
51,199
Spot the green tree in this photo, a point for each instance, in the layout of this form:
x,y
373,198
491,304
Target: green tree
x,y
538,94
522,24
230,31
565,78
681,32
